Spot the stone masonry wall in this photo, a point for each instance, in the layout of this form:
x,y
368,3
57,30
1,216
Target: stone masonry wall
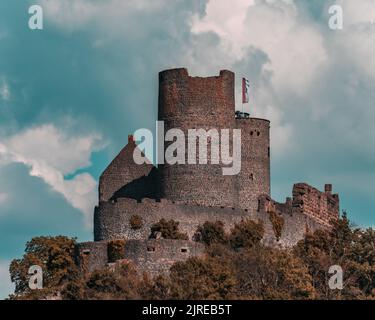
x,y
112,220
91,256
254,178
122,171
322,206
157,256
197,103
151,256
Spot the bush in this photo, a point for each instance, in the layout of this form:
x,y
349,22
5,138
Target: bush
x,y
211,232
116,250
277,224
136,222
201,278
168,229
247,233
74,290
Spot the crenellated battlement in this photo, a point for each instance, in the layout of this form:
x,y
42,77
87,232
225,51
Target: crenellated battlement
x,y
322,206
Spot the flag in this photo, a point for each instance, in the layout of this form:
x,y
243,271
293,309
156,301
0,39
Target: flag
x,y
245,90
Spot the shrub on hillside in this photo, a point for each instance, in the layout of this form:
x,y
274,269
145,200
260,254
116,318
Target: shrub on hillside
x,y
168,229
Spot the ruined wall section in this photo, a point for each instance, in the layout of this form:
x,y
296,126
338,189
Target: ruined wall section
x,y
197,103
321,206
295,224
254,179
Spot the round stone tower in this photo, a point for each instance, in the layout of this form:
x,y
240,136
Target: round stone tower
x,y
197,103
254,179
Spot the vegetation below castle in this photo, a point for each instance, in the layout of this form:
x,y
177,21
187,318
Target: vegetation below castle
x,y
235,266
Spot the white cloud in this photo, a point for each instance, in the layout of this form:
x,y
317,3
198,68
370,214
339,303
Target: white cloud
x,y
4,90
355,12
295,49
49,145
51,154
356,41
6,286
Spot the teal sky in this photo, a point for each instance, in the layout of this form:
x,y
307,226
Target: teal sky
x,y
72,92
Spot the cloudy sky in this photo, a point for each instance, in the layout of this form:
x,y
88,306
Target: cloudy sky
x,y
71,93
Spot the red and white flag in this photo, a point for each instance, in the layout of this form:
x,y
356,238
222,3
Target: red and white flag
x,y
245,90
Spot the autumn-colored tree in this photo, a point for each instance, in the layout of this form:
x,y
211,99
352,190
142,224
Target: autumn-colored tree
x,y
245,234
55,255
211,232
235,266
265,273
344,246
205,278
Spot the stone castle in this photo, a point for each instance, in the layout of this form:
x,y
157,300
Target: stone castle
x,y
194,194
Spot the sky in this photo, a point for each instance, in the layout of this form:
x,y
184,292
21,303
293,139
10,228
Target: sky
x,y
71,93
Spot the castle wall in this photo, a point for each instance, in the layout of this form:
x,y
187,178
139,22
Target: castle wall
x,y
197,103
91,256
322,206
254,179
157,256
112,220
151,256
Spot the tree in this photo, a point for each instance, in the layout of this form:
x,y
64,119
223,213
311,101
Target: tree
x,y
247,233
201,278
212,232
343,245
55,255
265,273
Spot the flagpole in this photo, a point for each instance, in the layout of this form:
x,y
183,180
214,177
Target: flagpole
x,y
243,115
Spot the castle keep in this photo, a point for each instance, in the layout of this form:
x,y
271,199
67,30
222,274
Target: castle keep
x,y
192,194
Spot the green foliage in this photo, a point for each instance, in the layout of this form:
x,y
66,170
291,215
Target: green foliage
x,y
212,232
116,250
168,229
